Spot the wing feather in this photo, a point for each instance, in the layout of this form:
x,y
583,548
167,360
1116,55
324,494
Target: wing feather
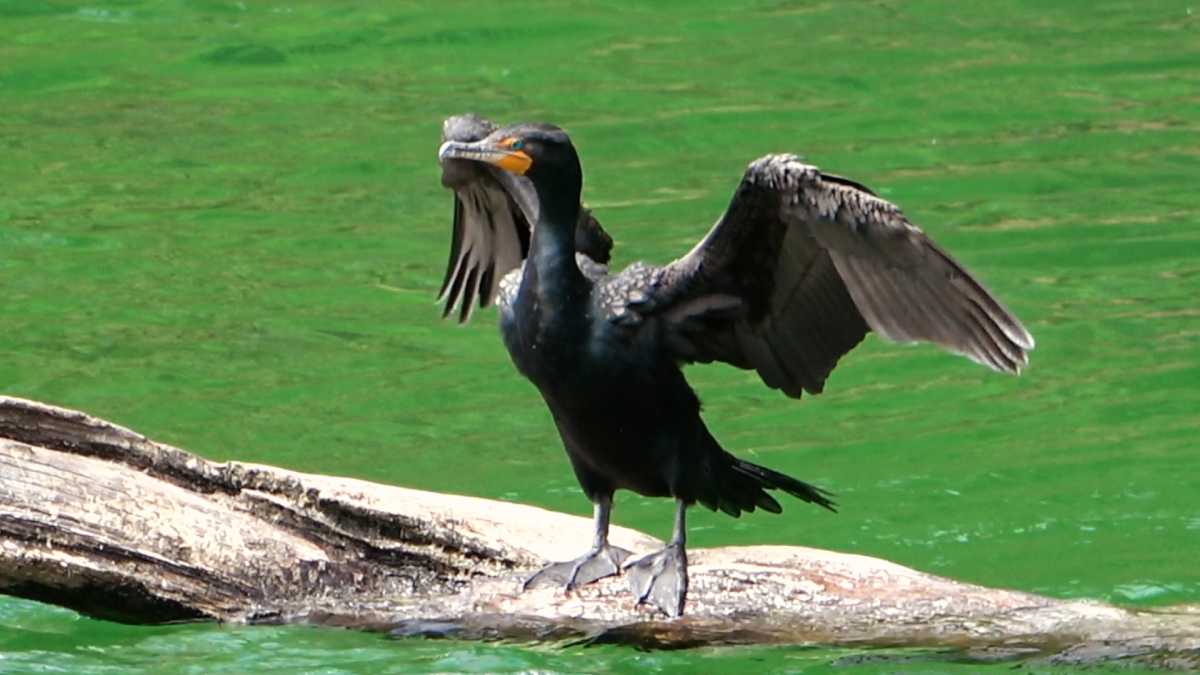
x,y
494,214
814,262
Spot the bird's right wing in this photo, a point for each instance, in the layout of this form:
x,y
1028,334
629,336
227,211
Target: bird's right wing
x,y
494,214
800,266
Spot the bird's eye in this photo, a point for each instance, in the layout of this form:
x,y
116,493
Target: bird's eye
x,y
516,144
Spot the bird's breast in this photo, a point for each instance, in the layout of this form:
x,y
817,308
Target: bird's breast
x,y
545,338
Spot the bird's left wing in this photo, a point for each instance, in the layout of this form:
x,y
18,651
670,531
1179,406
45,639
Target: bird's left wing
x,y
494,214
799,268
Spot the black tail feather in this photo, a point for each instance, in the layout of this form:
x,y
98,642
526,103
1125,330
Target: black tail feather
x,y
764,478
767,503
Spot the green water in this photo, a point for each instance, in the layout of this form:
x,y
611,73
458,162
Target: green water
x,y
221,225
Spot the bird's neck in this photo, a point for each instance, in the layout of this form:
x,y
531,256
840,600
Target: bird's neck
x,y
551,269
552,249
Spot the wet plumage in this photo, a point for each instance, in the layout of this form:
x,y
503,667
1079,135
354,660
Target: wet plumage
x,y
798,269
493,213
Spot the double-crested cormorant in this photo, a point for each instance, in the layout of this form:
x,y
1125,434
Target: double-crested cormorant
x,y
798,269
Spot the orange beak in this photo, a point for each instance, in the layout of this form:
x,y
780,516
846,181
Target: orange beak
x,y
487,150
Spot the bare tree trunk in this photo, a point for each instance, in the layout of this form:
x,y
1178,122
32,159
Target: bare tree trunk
x,y
100,519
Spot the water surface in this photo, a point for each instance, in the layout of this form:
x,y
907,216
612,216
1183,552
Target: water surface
x,y
221,225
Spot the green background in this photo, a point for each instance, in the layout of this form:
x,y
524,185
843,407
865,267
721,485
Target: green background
x,y
221,225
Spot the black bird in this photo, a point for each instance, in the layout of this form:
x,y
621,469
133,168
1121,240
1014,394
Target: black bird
x,y
798,269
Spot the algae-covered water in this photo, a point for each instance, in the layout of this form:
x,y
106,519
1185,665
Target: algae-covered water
x,y
221,225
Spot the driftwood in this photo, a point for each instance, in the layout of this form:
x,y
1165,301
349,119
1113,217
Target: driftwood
x,y
100,519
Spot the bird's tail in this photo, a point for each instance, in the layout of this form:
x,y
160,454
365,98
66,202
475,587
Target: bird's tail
x,y
743,488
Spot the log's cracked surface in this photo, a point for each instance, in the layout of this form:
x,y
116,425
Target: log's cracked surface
x,y
103,520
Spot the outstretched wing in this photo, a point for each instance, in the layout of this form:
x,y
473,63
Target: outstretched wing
x,y
494,214
800,266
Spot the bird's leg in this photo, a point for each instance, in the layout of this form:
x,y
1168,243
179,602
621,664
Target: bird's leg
x,y
602,560
661,578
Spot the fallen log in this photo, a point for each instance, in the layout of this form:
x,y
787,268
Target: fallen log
x,y
103,520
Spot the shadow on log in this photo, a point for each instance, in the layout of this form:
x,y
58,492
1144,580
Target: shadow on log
x,y
100,519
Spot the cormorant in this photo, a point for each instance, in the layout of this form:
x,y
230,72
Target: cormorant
x,y
798,269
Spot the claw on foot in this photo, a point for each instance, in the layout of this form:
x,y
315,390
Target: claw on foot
x,y
661,579
604,561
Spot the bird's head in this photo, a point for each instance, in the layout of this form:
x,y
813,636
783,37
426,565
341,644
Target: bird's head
x,y
541,152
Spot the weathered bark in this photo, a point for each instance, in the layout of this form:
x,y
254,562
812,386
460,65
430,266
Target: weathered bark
x,y
103,520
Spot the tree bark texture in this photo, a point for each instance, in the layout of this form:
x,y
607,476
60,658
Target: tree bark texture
x,y
105,521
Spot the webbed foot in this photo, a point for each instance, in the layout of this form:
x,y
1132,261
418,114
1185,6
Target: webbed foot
x,y
661,579
602,561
